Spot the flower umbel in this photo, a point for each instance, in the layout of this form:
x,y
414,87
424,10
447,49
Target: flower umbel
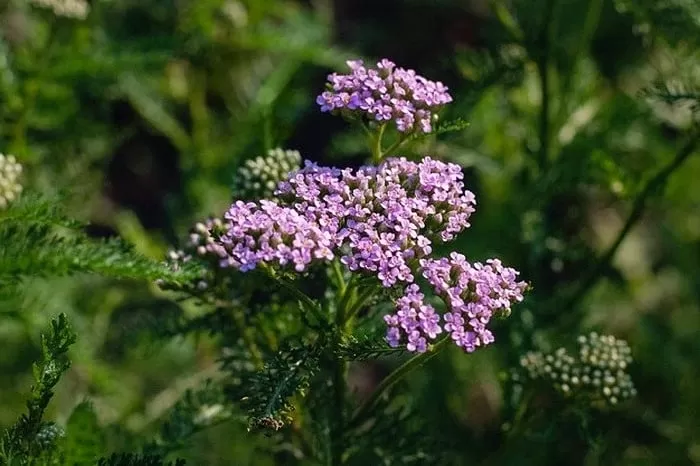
x,y
473,294
597,373
385,93
380,221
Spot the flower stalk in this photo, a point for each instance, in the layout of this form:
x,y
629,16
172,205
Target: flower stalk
x,y
367,408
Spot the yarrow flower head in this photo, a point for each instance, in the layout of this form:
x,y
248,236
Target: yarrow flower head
x,y
473,294
10,187
385,93
598,373
381,221
377,219
268,233
258,177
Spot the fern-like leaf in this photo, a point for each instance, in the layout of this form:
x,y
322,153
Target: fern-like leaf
x,y
270,392
366,347
20,442
194,412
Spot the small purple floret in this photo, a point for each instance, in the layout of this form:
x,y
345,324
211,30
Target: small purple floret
x,y
384,94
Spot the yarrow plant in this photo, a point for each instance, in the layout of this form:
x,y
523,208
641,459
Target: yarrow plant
x,y
374,230
380,221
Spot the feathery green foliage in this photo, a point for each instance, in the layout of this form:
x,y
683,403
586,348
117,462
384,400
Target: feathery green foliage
x,y
270,392
129,459
195,411
41,241
19,444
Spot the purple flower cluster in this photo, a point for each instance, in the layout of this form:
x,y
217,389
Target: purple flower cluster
x,y
472,293
415,319
377,219
267,232
380,220
387,93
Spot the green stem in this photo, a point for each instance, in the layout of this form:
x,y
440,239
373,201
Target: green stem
x,y
358,303
340,369
595,7
362,413
338,272
377,153
345,296
402,140
296,292
339,387
543,68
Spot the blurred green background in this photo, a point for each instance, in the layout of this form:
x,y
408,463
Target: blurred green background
x,y
583,114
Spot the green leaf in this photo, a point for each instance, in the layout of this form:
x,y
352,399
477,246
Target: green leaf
x,y
32,208
21,441
84,442
154,111
451,126
270,392
366,347
35,249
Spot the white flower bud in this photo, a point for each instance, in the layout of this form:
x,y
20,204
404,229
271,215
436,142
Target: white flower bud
x,y
10,187
258,178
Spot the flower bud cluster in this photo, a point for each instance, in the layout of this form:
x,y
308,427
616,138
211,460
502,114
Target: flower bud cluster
x,y
383,94
383,221
200,244
76,9
258,177
597,373
10,187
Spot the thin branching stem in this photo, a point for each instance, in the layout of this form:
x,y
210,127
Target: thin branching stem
x,y
366,409
340,279
377,152
359,302
653,185
395,146
543,67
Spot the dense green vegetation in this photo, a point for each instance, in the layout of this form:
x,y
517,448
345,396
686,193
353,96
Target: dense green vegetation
x,y
576,122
